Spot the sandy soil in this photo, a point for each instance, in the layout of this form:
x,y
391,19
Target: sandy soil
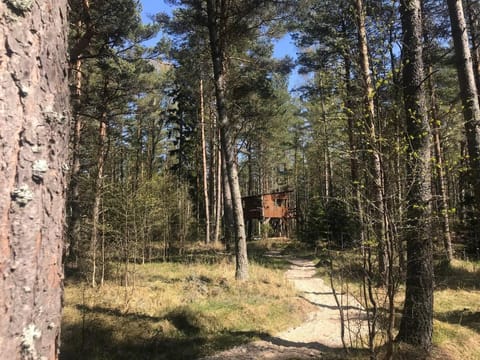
x,y
319,335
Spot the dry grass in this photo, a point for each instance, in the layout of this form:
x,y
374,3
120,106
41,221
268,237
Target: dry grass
x,y
456,307
457,311
185,310
176,311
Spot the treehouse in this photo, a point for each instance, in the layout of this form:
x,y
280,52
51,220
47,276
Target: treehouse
x,y
272,208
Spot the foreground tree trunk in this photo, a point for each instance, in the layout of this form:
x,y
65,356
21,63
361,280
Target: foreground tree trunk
x,y
34,128
469,94
226,137
417,320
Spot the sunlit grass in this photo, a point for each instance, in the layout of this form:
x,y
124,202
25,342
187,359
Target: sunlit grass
x,y
193,307
176,311
456,302
457,310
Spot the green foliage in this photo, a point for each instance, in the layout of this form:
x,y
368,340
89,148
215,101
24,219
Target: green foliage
x,y
315,227
266,230
342,224
150,222
331,222
317,143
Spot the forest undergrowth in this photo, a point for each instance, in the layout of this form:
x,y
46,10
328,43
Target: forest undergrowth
x,y
456,332
192,306
184,309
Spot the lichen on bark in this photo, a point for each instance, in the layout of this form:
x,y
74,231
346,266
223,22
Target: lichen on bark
x,y
20,5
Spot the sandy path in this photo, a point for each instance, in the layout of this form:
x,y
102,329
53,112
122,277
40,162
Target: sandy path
x,y
318,335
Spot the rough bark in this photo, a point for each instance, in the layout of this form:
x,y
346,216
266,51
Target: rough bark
x,y
227,139
417,320
469,93
372,141
241,263
34,126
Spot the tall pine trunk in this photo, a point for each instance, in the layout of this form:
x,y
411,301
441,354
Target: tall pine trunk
x,y
227,139
469,95
73,194
416,326
34,126
473,11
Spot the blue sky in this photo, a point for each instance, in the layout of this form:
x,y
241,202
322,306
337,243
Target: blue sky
x,y
151,7
283,47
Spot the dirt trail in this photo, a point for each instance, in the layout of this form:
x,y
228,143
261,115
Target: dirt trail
x,y
318,335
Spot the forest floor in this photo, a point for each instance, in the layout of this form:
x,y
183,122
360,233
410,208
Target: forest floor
x,y
320,335
191,307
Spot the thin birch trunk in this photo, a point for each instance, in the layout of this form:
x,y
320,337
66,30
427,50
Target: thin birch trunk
x,y
102,135
74,186
372,141
326,151
218,197
204,166
442,188
227,206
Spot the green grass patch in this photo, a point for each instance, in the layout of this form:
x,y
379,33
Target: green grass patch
x,y
457,309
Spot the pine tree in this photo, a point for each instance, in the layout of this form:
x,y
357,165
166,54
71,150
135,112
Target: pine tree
x,y
470,102
34,121
416,326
